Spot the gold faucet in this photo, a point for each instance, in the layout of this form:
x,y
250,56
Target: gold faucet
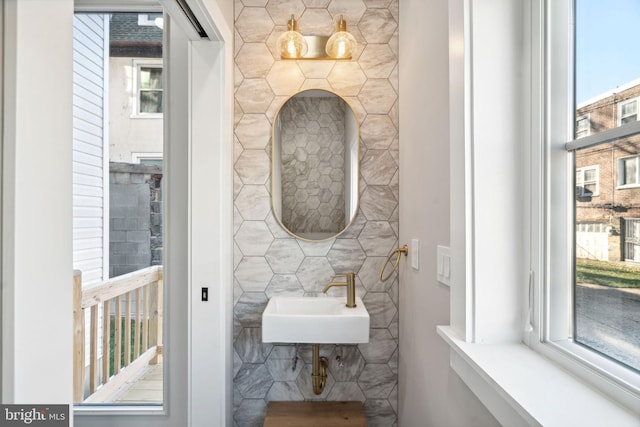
x,y
350,284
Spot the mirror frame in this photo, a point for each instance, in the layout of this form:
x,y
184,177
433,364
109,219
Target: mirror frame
x,y
273,166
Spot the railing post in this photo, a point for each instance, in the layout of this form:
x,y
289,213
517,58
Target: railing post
x,y
155,321
78,338
160,303
127,329
106,340
117,336
93,350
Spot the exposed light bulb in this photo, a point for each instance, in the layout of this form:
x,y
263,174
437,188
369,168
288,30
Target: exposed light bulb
x,y
342,43
292,44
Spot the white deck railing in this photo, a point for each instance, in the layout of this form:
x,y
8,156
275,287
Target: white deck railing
x,y
135,297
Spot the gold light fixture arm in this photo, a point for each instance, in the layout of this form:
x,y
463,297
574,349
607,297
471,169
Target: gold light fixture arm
x,y
402,250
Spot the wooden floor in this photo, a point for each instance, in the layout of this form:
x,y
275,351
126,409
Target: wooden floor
x,y
144,389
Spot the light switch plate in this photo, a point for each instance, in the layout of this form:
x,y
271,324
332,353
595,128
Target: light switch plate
x,y
415,254
443,263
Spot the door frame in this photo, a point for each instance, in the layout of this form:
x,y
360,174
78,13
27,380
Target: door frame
x,y
199,242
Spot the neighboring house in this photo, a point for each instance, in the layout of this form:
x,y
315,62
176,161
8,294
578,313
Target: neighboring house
x,y
608,179
135,88
135,141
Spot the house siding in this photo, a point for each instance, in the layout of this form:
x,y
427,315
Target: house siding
x,y
88,144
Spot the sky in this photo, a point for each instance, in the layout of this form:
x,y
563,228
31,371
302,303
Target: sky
x,y
607,45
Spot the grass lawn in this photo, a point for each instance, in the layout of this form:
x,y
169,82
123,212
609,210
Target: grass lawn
x,y
112,342
604,273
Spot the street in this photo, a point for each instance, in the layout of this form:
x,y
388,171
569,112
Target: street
x,y
608,320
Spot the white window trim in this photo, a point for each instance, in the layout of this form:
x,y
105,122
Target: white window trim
x,y
137,156
625,102
135,95
551,258
503,346
582,181
620,177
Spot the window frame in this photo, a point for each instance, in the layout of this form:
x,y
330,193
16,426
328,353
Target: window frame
x,y
137,66
143,19
626,102
139,157
552,243
621,172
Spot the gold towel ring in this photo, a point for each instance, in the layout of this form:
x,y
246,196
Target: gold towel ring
x,y
403,250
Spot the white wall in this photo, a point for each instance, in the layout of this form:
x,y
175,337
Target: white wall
x,y
129,134
220,11
36,202
430,393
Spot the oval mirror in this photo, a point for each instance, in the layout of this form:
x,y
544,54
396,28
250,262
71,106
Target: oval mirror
x,y
315,151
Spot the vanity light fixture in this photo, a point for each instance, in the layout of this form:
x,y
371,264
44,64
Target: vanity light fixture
x,y
293,45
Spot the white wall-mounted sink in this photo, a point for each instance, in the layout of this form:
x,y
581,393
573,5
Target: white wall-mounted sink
x,y
315,321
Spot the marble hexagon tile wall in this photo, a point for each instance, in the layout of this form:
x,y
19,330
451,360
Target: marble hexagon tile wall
x,y
268,261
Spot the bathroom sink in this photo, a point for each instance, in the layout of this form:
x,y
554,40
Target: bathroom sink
x,y
315,321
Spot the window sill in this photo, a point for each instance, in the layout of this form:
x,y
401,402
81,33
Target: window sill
x,y
521,387
146,116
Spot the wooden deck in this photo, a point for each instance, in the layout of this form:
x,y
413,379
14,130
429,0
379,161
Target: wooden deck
x,y
145,389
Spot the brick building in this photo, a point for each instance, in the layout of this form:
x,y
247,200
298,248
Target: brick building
x,y
608,179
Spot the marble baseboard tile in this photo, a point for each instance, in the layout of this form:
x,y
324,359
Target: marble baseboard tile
x,y
284,285
381,309
351,360
346,391
379,413
346,255
380,347
284,391
249,309
250,413
377,381
250,347
253,381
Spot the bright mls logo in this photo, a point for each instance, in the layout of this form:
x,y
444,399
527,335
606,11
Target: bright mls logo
x,y
34,415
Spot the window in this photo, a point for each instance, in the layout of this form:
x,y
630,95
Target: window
x,y
583,127
150,19
629,172
628,111
151,159
148,78
587,181
587,319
